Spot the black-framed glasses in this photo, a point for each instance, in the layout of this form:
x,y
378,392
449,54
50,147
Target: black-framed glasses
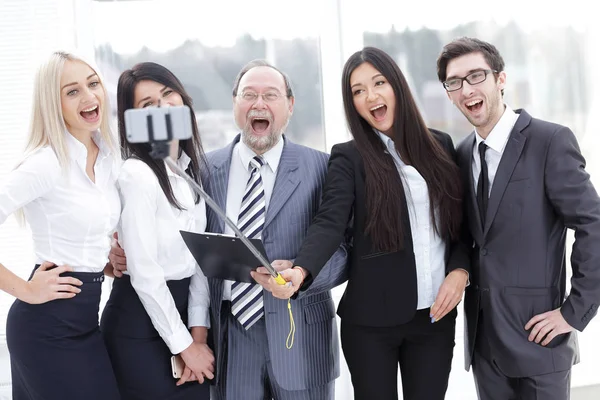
x,y
473,78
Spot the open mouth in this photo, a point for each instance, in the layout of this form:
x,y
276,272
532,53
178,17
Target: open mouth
x,y
260,125
378,112
474,106
90,114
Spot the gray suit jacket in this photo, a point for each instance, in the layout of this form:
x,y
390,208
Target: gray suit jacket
x,y
313,359
518,266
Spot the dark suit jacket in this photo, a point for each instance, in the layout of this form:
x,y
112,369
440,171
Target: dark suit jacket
x,y
382,287
518,267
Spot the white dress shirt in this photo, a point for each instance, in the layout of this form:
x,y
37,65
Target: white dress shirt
x,y
429,248
239,173
156,253
71,217
496,142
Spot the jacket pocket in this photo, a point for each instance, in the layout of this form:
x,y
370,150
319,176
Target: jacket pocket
x,y
373,255
319,312
527,291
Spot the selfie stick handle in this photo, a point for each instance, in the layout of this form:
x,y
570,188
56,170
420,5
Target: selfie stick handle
x,y
160,149
215,207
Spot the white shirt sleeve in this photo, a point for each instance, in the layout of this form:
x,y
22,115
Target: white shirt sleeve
x,y
35,177
199,300
199,297
139,189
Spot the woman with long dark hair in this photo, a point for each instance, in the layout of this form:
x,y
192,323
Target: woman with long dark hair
x,y
164,292
396,185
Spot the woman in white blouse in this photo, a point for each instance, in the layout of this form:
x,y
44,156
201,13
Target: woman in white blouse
x,y
65,186
164,292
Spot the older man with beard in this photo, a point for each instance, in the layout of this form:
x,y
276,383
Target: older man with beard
x,y
272,187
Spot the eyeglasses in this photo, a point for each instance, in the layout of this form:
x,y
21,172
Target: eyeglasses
x,y
473,78
268,97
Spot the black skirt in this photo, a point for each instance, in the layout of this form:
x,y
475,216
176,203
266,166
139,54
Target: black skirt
x,y
140,358
56,350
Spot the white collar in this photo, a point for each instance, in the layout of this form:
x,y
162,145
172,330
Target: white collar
x,y
182,162
390,145
499,135
270,157
78,151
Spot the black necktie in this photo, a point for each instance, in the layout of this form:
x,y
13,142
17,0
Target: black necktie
x,y
483,185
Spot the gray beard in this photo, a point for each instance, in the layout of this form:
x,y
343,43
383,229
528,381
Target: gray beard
x,y
261,144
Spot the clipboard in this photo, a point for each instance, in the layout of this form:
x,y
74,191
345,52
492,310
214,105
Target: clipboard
x,y
223,256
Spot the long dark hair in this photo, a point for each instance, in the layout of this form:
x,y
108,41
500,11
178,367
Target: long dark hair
x,y
415,145
192,147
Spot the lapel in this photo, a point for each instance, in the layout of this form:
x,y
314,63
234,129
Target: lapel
x,y
466,155
219,181
508,162
286,181
219,166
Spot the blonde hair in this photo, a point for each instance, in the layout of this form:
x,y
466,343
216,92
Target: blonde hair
x,y
47,126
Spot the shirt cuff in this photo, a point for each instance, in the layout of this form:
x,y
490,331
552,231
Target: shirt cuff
x,y
180,340
198,316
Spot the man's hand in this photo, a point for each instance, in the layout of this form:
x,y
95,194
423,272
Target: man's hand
x,y
187,376
261,276
450,294
294,277
199,363
117,257
549,325
278,265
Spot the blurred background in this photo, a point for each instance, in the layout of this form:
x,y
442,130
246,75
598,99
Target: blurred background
x,y
550,50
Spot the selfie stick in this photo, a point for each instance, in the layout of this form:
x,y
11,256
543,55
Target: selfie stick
x,y
160,149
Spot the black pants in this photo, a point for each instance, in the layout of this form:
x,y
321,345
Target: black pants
x,y
422,349
140,357
56,350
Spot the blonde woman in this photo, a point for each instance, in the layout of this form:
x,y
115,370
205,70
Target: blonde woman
x,y
66,189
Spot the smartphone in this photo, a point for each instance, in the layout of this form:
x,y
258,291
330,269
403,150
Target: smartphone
x,y
177,366
153,124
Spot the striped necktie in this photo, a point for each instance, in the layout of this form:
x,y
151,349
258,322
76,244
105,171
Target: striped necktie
x,y
246,298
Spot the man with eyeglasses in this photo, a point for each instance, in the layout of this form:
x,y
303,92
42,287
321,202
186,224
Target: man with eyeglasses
x,y
525,184
255,358
272,188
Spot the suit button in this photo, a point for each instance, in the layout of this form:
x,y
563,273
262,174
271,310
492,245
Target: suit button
x,y
484,252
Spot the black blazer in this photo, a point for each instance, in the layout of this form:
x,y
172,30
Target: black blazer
x,y
382,287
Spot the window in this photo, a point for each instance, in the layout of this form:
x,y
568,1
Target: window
x,y
206,51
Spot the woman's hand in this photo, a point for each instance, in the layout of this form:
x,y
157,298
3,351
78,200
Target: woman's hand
x,y
46,284
450,294
199,363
